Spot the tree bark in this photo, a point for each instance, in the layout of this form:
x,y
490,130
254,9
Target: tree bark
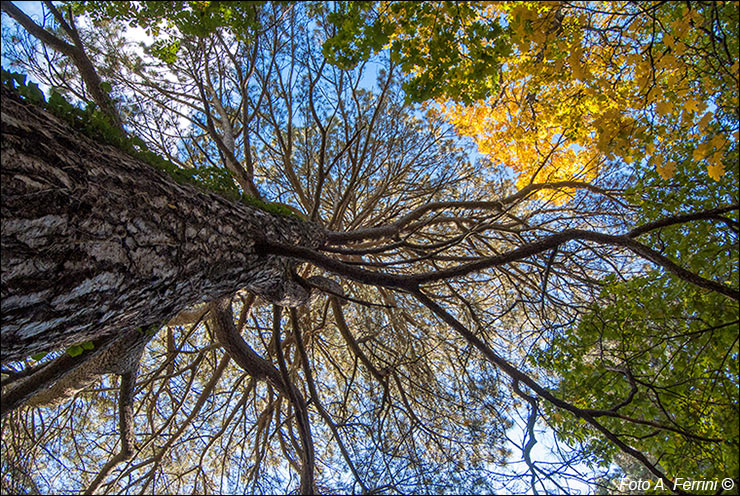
x,y
96,242
65,376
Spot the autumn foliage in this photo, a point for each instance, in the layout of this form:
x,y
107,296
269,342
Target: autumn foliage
x,y
582,88
585,86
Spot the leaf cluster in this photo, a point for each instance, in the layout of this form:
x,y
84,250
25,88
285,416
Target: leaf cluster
x,y
581,88
679,343
73,351
79,349
168,21
448,48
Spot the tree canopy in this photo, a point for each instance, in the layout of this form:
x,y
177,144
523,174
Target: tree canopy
x,y
505,236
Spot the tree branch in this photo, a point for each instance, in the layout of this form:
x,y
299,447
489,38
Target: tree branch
x,y
334,238
520,376
261,369
714,213
317,401
304,426
76,52
410,282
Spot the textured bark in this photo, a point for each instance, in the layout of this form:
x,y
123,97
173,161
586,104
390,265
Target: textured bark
x,y
324,285
96,242
64,376
118,356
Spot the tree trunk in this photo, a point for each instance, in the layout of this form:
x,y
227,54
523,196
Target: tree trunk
x,y
96,242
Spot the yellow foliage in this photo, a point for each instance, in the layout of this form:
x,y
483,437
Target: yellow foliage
x,y
664,107
570,103
716,170
667,171
700,152
691,105
704,122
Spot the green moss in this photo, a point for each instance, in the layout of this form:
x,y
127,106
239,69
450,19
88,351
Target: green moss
x,y
273,207
94,123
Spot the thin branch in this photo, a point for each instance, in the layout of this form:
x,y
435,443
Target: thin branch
x,y
334,238
317,402
518,375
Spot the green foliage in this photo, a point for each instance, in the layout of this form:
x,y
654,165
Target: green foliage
x,y
89,120
678,341
152,329
273,207
449,49
96,124
168,21
79,349
166,50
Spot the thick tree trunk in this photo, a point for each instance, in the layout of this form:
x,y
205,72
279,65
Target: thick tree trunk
x,y
96,242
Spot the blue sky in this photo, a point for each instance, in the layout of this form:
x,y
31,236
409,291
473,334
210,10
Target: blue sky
x,y
32,9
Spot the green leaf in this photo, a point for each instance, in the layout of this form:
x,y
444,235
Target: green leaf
x,y
75,350
13,79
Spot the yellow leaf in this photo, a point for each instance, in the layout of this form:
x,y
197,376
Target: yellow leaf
x,y
664,107
691,105
716,157
669,61
718,142
669,41
574,59
716,170
704,121
667,171
680,26
700,151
